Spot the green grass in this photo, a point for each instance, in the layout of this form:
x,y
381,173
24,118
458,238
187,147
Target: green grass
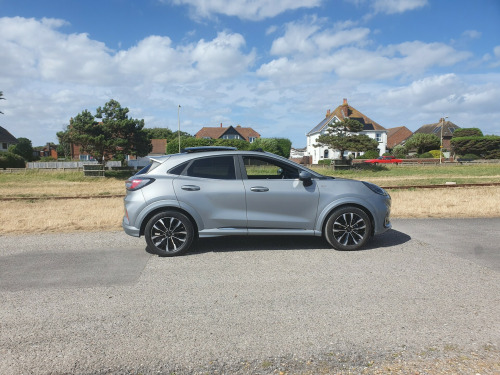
x,y
391,175
421,175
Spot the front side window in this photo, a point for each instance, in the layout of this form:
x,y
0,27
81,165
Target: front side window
x,y
219,168
266,168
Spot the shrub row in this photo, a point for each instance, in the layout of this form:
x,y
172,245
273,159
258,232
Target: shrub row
x,y
10,160
278,146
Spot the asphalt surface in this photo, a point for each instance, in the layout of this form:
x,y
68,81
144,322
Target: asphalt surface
x,y
98,303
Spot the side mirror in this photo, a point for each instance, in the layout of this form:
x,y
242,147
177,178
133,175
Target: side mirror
x,y
306,178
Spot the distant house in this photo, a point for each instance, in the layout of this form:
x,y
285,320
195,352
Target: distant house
x,y
397,136
442,128
159,148
50,150
230,132
6,139
370,128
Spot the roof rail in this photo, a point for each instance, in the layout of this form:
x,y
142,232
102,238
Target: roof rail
x,y
189,150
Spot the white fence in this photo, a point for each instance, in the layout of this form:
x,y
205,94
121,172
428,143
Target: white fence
x,y
68,164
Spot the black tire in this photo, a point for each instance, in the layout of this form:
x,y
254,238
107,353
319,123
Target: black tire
x,y
348,228
169,233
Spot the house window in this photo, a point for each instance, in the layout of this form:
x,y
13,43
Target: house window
x,y
4,146
231,136
378,137
252,139
325,154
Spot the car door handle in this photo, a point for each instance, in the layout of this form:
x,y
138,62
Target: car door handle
x,y
259,189
190,187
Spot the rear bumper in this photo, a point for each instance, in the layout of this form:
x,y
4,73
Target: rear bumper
x,y
129,229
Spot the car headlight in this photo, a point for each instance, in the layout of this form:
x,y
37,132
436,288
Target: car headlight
x,y
375,188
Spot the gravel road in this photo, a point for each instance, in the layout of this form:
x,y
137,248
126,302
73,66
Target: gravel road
x,y
98,303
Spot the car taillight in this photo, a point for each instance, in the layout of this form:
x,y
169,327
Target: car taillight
x,y
137,183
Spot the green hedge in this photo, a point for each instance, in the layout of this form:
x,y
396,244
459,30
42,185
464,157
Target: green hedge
x,y
10,160
278,146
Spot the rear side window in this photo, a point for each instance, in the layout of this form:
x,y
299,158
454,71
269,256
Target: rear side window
x,y
219,168
148,168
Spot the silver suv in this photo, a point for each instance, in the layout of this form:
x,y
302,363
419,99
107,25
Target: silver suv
x,y
219,191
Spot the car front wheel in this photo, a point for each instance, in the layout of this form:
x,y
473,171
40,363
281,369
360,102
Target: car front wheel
x,y
169,233
348,228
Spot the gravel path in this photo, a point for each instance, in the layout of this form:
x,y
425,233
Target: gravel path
x,y
253,306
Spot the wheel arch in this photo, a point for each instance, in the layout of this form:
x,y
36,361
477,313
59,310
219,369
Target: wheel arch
x,y
348,204
168,208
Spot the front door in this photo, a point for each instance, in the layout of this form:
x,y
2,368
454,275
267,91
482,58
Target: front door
x,y
276,198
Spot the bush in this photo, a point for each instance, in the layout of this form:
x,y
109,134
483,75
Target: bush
x,y
436,154
400,151
493,155
470,156
325,162
10,160
47,159
371,154
426,155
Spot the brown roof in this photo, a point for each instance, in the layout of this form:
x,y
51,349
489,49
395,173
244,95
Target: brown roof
x,y
448,128
343,111
159,146
396,136
217,132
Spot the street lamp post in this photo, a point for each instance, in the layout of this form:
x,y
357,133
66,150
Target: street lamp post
x,y
179,126
441,148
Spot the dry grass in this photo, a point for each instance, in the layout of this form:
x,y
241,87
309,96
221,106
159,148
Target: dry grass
x,y
65,215
62,188
451,202
69,215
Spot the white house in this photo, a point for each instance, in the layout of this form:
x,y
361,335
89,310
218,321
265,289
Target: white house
x,y
370,128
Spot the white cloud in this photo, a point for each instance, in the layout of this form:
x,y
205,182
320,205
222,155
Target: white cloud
x,y
49,76
472,34
397,6
306,37
245,9
312,52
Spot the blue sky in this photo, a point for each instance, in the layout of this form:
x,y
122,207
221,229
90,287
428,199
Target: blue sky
x,y
276,66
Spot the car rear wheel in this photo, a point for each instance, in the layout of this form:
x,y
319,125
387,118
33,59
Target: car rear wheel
x,y
348,228
169,233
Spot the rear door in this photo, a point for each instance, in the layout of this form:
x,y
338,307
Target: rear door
x,y
209,186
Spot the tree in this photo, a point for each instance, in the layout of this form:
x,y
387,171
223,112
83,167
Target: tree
x,y
487,147
23,148
423,142
343,136
114,135
165,133
467,132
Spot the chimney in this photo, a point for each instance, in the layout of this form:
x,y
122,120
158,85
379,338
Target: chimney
x,y
221,124
345,108
328,113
